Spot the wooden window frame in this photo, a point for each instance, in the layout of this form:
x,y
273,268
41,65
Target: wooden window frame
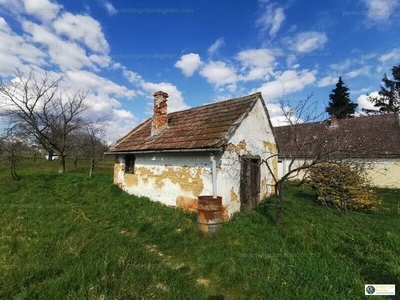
x,y
130,164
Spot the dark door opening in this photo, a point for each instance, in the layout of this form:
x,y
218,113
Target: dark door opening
x,y
249,182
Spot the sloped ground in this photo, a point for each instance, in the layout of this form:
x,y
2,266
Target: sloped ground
x,y
70,237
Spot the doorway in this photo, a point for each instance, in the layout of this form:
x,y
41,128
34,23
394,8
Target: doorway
x,y
249,181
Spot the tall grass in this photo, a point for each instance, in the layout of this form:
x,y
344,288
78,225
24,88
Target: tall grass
x,y
68,236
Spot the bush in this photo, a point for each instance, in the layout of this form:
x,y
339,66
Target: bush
x,y
343,185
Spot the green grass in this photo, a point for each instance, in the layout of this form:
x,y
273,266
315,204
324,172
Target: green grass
x,y
66,236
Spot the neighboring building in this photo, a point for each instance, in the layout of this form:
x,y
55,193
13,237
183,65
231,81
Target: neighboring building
x,y
372,139
215,149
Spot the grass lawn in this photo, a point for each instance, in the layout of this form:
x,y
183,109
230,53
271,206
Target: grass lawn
x,y
68,236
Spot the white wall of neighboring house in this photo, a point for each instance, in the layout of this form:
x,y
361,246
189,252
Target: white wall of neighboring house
x,y
382,172
284,164
385,172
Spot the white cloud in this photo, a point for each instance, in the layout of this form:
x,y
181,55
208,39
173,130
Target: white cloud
x,y
14,6
278,117
123,114
328,80
102,101
41,9
131,76
258,63
219,73
214,47
15,51
341,66
83,29
393,55
188,63
339,70
88,80
271,19
40,34
119,129
175,99
108,7
101,60
290,60
256,58
357,72
8,64
288,82
73,44
363,102
361,91
308,41
380,10
67,55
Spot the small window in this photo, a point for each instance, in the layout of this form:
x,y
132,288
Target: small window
x,y
129,164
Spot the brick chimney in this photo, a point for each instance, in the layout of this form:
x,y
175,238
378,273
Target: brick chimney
x,y
160,118
334,122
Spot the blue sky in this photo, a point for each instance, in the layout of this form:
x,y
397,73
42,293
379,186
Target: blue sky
x,y
201,51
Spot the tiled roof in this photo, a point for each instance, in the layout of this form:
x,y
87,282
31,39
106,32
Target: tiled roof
x,y
208,126
377,136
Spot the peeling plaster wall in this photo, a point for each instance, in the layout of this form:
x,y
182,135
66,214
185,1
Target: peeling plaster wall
x,y
382,172
254,136
172,179
178,179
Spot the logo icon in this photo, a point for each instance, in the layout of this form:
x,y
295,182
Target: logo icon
x,y
370,289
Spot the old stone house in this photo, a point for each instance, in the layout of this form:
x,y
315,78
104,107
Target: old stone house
x,y
373,140
215,149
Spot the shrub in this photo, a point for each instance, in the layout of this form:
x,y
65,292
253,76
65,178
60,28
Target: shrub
x,y
343,185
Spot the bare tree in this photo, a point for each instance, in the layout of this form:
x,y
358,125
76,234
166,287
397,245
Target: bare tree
x,y
95,146
12,148
39,108
76,147
309,146
35,150
88,143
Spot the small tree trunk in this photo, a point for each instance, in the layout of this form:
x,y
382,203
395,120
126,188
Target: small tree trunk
x,y
279,202
50,156
61,164
13,170
92,163
75,161
34,157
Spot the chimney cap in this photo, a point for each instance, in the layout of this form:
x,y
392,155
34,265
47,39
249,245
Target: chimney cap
x,y
334,121
161,93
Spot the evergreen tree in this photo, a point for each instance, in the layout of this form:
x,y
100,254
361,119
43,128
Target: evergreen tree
x,y
340,104
388,100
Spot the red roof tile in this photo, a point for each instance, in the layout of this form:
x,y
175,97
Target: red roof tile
x,y
377,136
208,126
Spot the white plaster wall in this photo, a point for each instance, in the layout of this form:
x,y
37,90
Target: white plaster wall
x,y
164,177
254,136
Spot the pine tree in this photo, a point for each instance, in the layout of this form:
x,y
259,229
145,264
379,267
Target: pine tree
x,y
388,100
340,104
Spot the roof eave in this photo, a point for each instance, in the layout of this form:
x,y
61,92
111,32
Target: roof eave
x,y
220,149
